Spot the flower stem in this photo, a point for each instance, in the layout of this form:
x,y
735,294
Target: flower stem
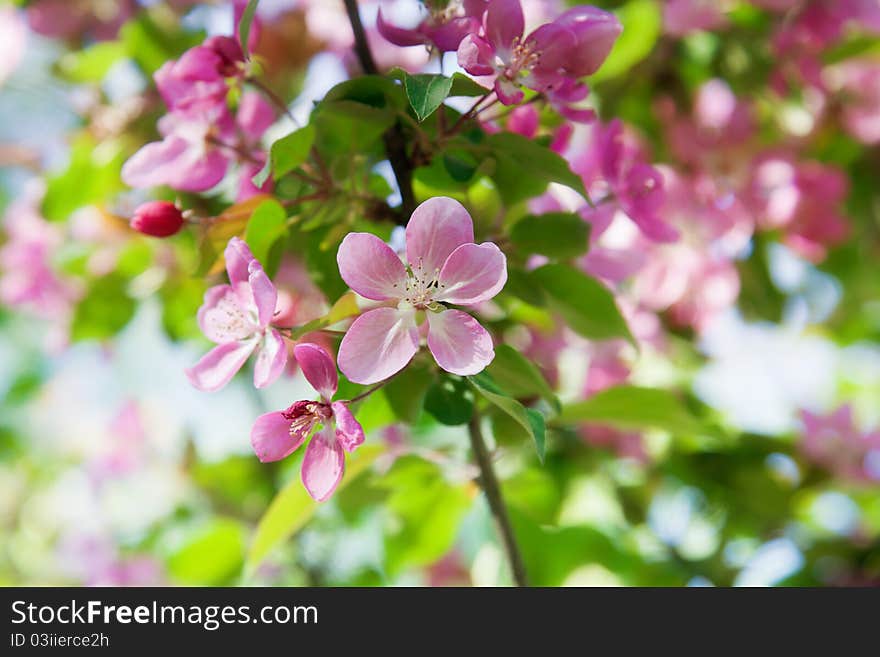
x,y
489,484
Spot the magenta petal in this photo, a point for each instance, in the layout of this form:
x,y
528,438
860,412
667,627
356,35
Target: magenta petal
x,y
370,267
595,32
437,227
218,366
271,359
508,91
264,293
378,344
222,317
318,368
323,465
472,273
475,55
271,439
349,432
151,165
459,343
397,35
504,22
238,258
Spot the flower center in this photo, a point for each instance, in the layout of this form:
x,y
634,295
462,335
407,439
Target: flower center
x,y
421,287
523,58
304,415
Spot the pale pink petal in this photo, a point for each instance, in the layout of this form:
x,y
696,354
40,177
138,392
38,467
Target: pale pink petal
x,y
459,343
271,359
198,170
437,227
323,465
370,267
264,293
472,273
508,91
254,116
218,366
318,368
504,22
475,55
222,317
349,432
150,166
238,258
378,344
271,439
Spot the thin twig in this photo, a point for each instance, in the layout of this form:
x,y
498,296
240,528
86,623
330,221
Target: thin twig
x,y
489,483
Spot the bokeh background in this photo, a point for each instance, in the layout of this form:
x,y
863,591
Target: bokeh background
x,y
115,471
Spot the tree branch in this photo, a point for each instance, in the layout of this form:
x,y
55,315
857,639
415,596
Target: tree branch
x,y
490,486
395,142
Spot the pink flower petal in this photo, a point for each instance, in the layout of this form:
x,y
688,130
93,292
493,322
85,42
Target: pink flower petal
x,y
218,366
323,465
349,432
222,317
459,343
504,22
508,91
264,293
254,115
595,32
271,359
475,55
473,273
238,258
149,166
318,368
271,439
370,267
437,227
399,36
378,344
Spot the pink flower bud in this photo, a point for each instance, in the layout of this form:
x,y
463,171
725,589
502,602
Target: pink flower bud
x,y
157,218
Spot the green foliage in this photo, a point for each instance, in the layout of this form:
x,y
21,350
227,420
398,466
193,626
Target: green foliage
x,y
211,555
560,235
530,420
450,401
519,377
642,25
406,392
267,224
104,310
586,305
287,153
244,25
426,92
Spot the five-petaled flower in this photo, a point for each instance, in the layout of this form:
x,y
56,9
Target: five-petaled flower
x,y
278,434
238,317
555,55
444,266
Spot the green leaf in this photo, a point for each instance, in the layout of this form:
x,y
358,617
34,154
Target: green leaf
x,y
287,153
348,126
529,419
244,25
585,304
266,225
518,376
450,401
632,407
521,285
104,311
406,391
462,85
524,168
562,235
642,25
426,92
92,63
210,556
293,507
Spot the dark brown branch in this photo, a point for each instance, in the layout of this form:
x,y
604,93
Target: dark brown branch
x,y
489,484
395,142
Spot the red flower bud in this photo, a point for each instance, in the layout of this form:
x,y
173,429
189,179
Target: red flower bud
x,y
157,218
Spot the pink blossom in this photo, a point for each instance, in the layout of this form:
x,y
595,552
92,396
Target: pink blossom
x,y
79,18
198,147
833,441
444,266
572,46
278,434
238,317
157,218
858,84
198,80
443,27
